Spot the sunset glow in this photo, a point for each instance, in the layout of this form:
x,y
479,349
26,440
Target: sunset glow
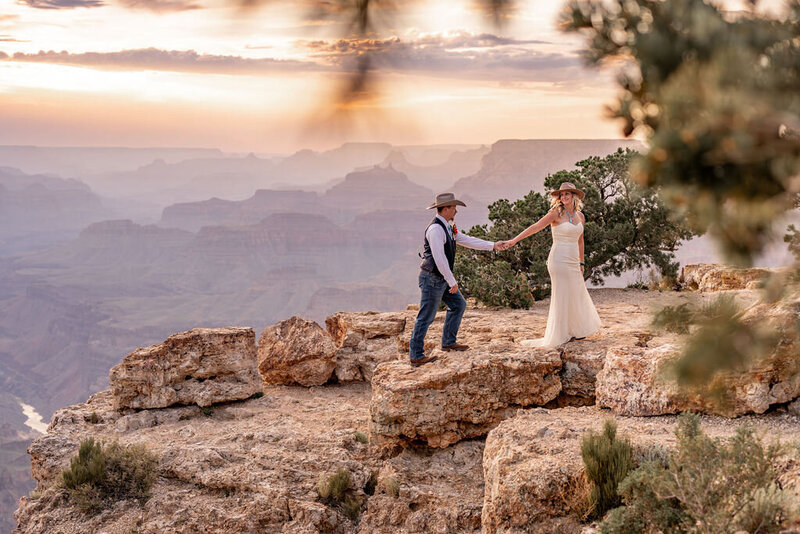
x,y
135,73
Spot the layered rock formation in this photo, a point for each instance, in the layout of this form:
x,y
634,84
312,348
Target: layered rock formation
x,y
202,366
459,398
378,188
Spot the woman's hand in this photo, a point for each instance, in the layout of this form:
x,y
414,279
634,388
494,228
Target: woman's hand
x,y
582,270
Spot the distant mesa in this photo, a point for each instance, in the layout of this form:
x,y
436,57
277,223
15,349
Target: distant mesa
x,y
194,215
515,167
376,188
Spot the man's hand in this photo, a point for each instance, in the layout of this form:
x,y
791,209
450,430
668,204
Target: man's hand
x,y
502,245
454,289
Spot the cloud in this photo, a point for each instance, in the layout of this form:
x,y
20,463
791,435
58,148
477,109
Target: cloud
x,y
457,55
9,39
160,6
61,4
460,55
169,60
4,18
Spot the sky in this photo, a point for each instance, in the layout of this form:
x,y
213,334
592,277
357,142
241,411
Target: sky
x,y
210,73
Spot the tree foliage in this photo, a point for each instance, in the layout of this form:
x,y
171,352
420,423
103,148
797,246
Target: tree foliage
x,y
627,227
716,96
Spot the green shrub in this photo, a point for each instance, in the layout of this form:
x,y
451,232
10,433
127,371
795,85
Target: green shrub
x,y
709,486
607,461
675,319
361,437
351,506
94,418
208,411
99,476
334,487
639,284
337,490
644,510
256,395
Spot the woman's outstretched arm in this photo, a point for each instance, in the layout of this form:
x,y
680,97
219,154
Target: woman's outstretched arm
x,y
535,227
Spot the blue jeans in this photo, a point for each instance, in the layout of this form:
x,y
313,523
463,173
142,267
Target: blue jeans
x,y
435,290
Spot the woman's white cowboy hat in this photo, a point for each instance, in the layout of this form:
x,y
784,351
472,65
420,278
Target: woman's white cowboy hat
x,y
568,186
445,199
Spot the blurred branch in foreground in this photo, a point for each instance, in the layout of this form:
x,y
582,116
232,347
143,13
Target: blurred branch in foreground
x,y
716,95
364,22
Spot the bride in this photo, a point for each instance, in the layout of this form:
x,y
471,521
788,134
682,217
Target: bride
x,y
572,312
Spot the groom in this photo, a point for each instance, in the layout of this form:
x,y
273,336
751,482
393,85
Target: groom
x,y
436,280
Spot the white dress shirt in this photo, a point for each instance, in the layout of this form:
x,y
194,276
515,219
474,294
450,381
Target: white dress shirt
x,y
436,239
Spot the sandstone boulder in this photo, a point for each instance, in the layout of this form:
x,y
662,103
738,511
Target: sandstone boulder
x,y
202,366
463,395
296,351
634,382
348,329
631,382
364,340
533,474
716,277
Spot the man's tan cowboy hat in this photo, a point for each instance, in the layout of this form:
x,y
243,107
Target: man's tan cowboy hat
x,y
445,199
568,186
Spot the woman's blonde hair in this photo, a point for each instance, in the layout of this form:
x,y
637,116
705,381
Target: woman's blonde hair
x,y
555,203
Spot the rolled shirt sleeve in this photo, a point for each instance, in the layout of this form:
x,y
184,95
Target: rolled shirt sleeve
x,y
473,242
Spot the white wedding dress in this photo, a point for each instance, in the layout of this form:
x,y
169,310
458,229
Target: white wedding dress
x,y
572,312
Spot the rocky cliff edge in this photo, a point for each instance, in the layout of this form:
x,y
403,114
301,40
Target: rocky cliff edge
x,y
483,440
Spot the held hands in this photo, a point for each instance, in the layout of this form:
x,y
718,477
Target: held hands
x,y
503,245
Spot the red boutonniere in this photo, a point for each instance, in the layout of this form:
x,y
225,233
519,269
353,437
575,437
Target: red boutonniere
x,y
455,229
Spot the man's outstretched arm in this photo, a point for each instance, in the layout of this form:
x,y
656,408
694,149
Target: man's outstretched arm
x,y
474,242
